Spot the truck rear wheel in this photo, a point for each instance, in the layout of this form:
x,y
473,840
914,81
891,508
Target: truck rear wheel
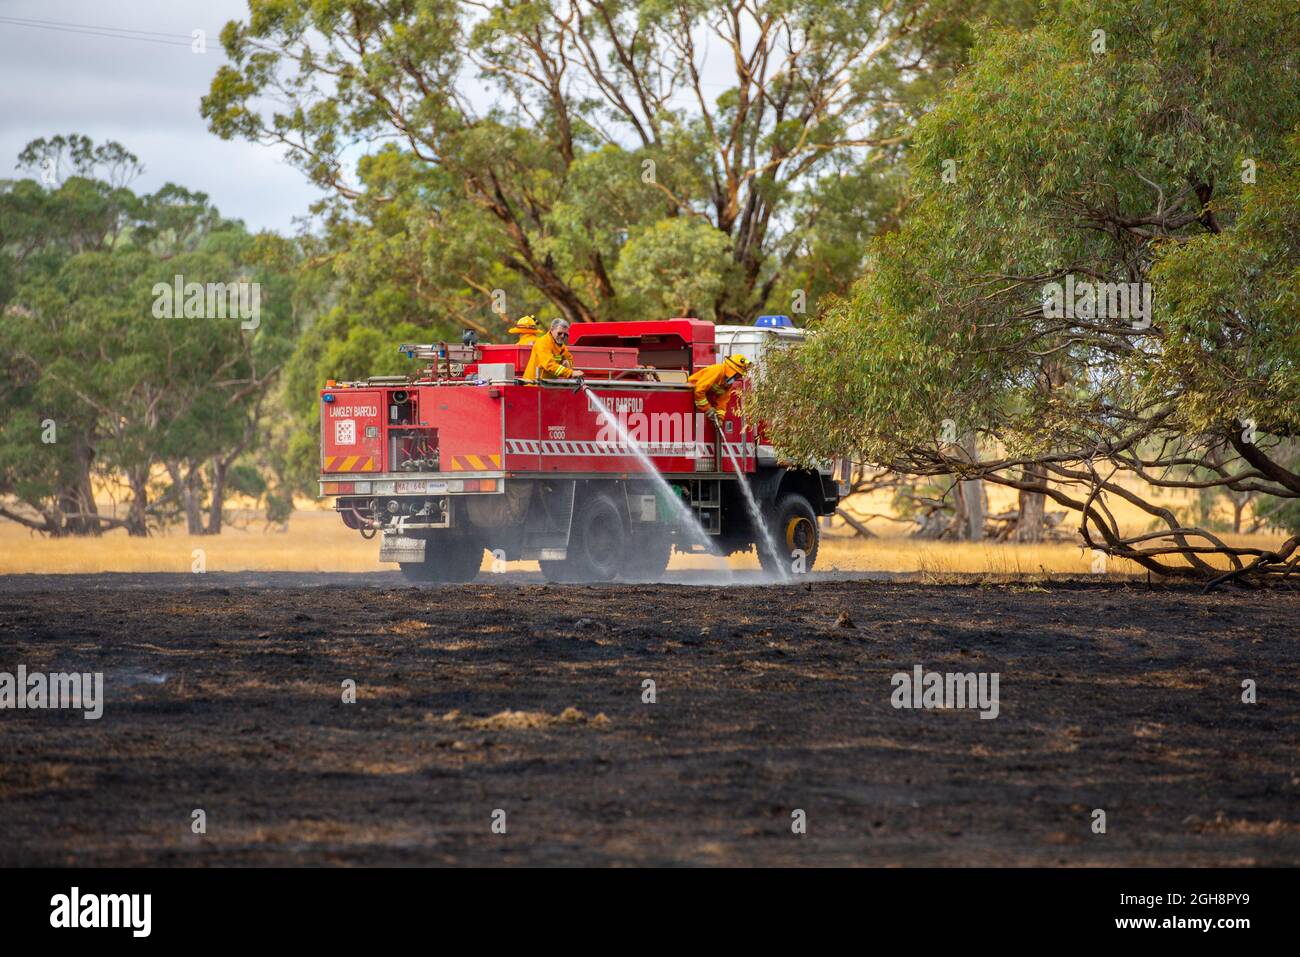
x,y
793,525
446,561
597,543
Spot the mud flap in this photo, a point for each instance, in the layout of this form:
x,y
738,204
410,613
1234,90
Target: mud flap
x,y
401,548
548,522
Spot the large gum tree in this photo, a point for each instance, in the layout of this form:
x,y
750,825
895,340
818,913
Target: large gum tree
x,y
1152,143
525,147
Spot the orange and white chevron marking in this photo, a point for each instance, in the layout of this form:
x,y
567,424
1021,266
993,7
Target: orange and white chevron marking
x,y
350,463
475,463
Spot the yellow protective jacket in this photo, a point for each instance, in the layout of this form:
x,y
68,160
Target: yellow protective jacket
x,y
711,389
527,339
549,360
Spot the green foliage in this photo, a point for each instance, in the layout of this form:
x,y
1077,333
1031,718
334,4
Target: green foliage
x,y
1283,513
1229,308
1052,158
594,138
676,267
128,385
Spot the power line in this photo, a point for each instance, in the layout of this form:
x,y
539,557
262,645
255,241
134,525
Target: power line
x,y
91,26
111,33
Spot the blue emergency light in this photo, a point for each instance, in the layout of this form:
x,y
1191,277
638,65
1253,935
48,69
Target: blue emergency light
x,y
774,322
327,397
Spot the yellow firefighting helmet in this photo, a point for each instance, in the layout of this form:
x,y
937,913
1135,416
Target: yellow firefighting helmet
x,y
527,325
736,364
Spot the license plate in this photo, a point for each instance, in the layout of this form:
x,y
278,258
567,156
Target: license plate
x,y
404,488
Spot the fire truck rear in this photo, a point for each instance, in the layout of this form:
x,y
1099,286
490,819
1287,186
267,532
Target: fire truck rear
x,y
463,457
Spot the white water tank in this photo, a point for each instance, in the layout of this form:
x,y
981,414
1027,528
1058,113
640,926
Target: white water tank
x,y
750,341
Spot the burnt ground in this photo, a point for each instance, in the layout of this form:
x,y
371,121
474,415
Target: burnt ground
x,y
226,696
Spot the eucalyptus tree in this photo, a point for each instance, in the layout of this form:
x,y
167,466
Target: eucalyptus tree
x,y
1096,275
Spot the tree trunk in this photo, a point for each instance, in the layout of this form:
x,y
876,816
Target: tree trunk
x,y
972,494
187,488
852,523
67,514
1238,509
972,507
1029,525
137,524
79,515
218,495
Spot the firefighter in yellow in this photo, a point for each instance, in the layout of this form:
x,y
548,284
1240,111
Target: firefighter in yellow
x,y
714,385
551,358
527,331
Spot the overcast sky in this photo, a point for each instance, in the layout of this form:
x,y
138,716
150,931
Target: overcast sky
x,y
143,94
60,74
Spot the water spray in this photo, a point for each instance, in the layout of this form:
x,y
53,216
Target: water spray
x,y
755,513
685,515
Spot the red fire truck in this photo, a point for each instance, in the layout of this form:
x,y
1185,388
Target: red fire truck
x,y
462,457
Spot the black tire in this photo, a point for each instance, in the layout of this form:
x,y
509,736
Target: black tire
x,y
598,543
647,559
446,561
793,525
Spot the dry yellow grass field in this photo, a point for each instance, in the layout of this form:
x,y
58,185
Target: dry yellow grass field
x,y
316,540
895,550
